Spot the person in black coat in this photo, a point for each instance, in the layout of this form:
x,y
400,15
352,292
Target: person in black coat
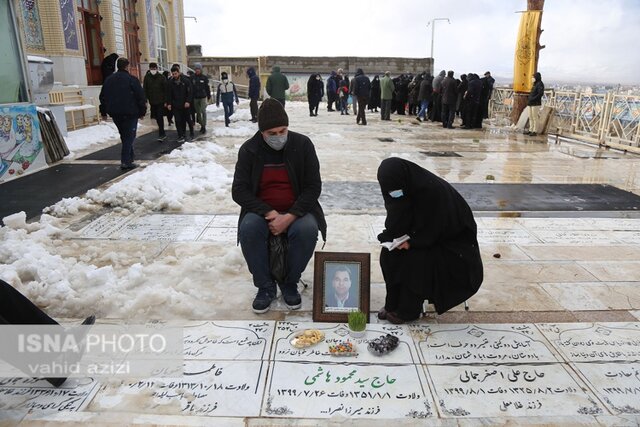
x,y
472,118
277,185
179,101
361,89
315,92
123,99
462,88
449,92
534,103
254,93
374,94
441,261
485,94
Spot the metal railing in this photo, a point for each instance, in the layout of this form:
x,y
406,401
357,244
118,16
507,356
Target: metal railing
x,y
604,118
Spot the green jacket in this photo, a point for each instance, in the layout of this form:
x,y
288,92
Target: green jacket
x,y
386,88
277,83
155,88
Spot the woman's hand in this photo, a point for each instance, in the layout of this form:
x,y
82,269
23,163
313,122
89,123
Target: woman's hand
x,y
405,246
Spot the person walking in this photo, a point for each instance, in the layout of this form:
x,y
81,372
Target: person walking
x,y
122,97
449,99
361,89
201,96
462,88
534,103
332,92
167,112
343,96
315,92
386,95
277,84
155,90
254,93
179,100
227,92
277,184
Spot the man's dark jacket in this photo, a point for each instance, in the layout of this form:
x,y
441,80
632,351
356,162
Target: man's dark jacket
x,y
155,88
122,96
254,84
179,91
303,167
362,85
449,91
535,96
201,87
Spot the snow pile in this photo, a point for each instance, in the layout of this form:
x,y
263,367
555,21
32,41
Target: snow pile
x,y
242,114
66,286
242,131
158,186
88,137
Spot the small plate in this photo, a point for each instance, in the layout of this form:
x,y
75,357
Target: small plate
x,y
343,349
307,338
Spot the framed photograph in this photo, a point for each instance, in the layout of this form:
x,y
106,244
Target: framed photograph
x,y
340,285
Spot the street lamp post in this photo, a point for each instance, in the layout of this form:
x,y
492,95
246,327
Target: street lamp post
x,y
433,29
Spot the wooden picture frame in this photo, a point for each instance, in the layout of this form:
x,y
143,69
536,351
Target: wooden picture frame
x,y
333,273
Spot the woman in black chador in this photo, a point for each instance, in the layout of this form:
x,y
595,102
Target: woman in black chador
x,y
441,261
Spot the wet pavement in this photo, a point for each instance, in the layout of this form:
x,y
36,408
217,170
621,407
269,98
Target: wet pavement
x,y
551,338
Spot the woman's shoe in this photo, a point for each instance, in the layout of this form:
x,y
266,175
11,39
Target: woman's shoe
x,y
382,314
394,318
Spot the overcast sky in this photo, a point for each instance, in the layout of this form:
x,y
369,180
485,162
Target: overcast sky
x,y
586,40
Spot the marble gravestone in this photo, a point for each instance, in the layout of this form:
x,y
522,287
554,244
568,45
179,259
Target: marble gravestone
x,y
38,395
607,357
497,370
311,383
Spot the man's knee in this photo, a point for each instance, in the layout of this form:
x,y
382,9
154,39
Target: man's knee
x,y
253,227
305,227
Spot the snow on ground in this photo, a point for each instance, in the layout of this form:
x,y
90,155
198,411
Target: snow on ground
x,y
238,131
81,140
159,186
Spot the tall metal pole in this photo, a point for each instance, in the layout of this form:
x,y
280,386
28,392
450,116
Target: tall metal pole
x,y
433,31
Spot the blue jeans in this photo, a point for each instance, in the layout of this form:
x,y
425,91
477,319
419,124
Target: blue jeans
x,y
254,237
424,104
127,127
228,110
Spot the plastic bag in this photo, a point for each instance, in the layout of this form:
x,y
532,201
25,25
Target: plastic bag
x,y
278,246
350,100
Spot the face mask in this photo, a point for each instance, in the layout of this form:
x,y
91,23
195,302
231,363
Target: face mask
x,y
225,81
154,72
318,78
276,142
396,194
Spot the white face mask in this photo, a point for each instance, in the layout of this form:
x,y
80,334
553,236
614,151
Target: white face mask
x,y
317,77
225,81
276,142
154,72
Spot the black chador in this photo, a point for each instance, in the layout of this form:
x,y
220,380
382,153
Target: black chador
x,y
442,264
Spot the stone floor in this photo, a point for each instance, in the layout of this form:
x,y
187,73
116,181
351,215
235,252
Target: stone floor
x,y
551,338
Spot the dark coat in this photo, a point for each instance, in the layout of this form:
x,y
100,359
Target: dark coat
x,y
444,263
201,87
449,91
254,84
179,92
535,96
122,96
351,301
303,167
277,84
474,89
426,90
362,85
155,88
315,89
374,94
332,84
